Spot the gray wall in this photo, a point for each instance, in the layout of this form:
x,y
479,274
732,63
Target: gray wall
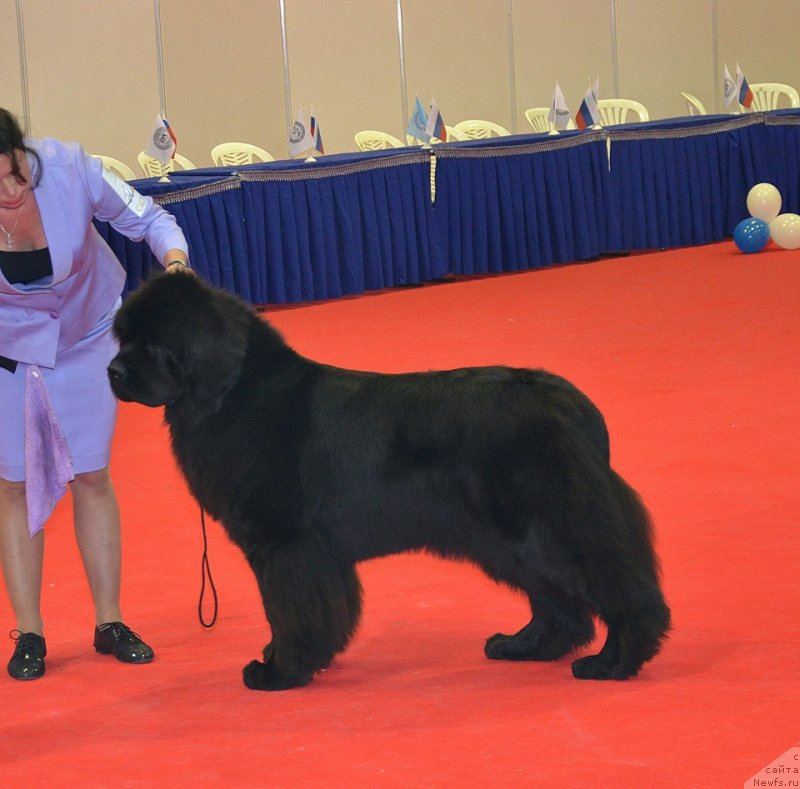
x,y
93,70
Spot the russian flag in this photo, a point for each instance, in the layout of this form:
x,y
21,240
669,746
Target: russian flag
x,y
315,133
745,94
435,126
588,112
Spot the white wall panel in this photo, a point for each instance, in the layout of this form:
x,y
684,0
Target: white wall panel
x,y
663,49
344,59
458,53
93,69
92,73
10,86
223,74
566,42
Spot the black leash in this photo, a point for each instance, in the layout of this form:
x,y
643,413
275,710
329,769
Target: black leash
x,y
206,571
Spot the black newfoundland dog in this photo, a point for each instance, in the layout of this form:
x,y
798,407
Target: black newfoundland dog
x,y
312,469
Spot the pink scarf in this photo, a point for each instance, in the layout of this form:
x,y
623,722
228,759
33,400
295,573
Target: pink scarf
x,y
48,463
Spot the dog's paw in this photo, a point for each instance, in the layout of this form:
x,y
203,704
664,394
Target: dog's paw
x,y
527,645
600,667
261,676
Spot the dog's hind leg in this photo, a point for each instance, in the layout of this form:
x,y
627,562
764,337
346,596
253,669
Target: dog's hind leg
x,y
313,604
560,624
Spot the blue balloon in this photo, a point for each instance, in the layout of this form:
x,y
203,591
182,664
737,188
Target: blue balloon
x,y
751,235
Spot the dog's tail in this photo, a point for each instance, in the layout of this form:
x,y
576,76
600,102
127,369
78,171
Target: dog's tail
x,y
627,584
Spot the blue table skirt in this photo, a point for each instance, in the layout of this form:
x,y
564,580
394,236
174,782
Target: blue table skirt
x,y
294,231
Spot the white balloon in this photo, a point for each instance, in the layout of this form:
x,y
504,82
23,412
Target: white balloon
x,y
764,202
785,231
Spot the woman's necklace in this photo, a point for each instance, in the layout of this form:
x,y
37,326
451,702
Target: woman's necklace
x,y
9,233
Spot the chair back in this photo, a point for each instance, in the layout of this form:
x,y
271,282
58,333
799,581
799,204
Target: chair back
x,y
616,111
693,104
453,135
235,154
153,168
371,140
539,119
773,95
480,130
116,166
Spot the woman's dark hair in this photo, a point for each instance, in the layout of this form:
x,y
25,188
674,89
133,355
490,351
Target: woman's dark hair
x,y
12,140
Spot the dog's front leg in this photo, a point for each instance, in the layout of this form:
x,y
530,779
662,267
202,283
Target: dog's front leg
x,y
313,603
265,676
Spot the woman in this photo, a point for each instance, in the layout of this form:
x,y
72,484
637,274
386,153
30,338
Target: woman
x,y
60,285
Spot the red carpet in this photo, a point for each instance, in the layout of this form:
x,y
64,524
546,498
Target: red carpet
x,y
694,357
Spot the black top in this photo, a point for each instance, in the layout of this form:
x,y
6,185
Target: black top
x,y
22,268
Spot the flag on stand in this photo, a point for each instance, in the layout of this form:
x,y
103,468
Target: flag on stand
x,y
163,143
299,139
559,111
435,126
728,88
588,112
315,133
418,122
743,89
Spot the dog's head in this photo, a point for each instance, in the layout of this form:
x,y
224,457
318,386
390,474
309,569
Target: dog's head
x,y
181,342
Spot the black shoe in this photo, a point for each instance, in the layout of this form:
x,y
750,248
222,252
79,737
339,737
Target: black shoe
x,y
27,662
115,638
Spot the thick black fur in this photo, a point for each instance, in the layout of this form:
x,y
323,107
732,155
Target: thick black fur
x,y
312,469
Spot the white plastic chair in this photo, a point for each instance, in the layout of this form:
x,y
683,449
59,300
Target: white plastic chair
x,y
616,111
371,140
772,95
453,135
116,166
480,130
693,104
539,120
235,154
153,168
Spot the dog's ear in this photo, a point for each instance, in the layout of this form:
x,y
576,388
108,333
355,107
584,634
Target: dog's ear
x,y
214,357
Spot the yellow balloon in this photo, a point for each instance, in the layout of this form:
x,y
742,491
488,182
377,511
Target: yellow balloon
x,y
764,202
784,230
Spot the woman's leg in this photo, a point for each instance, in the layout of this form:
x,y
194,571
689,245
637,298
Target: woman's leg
x,y
97,529
21,558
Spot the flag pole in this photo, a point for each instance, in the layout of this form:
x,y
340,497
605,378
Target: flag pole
x,y
162,93
715,50
287,88
403,80
23,70
512,68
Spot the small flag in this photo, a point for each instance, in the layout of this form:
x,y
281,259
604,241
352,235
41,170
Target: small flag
x,y
435,126
728,88
418,122
743,89
299,139
559,111
315,133
163,143
588,112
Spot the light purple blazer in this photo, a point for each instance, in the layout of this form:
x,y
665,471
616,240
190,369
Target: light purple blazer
x,y
36,322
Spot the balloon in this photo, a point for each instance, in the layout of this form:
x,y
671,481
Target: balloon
x,y
785,231
752,235
764,202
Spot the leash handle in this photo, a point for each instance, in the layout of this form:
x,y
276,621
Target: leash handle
x,y
205,572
